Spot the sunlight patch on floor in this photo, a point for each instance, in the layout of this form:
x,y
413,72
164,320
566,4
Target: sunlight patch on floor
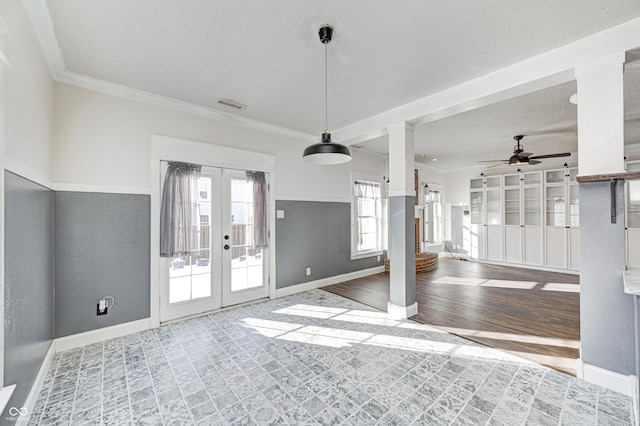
x,y
568,288
522,338
475,282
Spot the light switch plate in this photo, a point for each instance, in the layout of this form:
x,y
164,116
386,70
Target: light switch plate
x,y
280,214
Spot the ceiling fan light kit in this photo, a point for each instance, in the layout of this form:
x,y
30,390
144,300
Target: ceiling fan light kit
x,y
520,157
326,152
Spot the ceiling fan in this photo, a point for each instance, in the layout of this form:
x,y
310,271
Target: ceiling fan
x,y
520,157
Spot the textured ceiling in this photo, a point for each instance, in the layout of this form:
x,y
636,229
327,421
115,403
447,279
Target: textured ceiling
x,y
546,117
266,54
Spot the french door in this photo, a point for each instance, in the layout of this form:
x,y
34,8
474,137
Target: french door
x,y
225,268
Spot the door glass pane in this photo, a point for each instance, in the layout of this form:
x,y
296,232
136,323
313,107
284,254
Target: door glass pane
x,y
512,207
190,276
532,206
574,212
493,208
246,259
476,208
555,205
533,178
554,176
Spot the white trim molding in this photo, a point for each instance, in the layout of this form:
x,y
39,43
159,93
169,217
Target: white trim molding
x,y
107,189
19,168
149,98
402,312
5,396
299,288
94,336
609,379
32,397
168,148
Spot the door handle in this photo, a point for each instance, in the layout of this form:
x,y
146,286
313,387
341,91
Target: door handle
x,y
226,246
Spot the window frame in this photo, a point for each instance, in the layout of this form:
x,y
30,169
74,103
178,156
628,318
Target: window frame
x,y
378,251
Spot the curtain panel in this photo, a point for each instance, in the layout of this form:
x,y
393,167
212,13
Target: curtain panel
x,y
179,213
260,206
364,189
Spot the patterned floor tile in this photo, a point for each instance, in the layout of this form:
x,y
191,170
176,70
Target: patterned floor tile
x,y
313,358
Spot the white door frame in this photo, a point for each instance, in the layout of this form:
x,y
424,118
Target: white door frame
x,y
166,148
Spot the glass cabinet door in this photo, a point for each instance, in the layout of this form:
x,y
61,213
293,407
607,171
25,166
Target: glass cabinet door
x,y
493,208
555,205
476,208
574,206
476,183
532,206
494,181
512,206
554,176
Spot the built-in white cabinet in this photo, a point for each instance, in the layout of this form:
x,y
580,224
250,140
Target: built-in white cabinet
x,y
523,218
562,231
493,194
528,218
477,231
485,209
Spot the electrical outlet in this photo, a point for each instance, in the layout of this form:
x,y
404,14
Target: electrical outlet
x,y
102,308
378,258
309,271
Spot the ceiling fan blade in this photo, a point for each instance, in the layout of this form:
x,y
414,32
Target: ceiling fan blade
x,y
558,155
531,162
492,161
496,165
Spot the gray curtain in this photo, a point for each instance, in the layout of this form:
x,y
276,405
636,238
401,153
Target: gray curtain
x,y
260,206
179,213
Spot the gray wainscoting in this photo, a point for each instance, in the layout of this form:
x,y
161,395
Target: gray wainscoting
x,y
607,320
102,249
29,283
317,235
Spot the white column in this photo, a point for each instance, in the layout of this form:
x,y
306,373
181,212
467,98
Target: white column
x,y
4,63
607,352
402,291
601,116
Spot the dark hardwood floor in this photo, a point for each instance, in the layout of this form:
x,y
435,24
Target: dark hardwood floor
x,y
530,313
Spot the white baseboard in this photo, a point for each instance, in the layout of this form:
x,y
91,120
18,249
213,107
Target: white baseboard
x,y
607,379
403,312
88,337
298,288
32,397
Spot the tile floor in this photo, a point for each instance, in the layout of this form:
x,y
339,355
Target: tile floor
x,y
312,358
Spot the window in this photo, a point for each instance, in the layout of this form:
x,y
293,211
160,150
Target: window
x,y
367,219
435,220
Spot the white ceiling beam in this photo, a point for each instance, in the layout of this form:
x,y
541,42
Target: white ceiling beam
x,y
545,70
43,28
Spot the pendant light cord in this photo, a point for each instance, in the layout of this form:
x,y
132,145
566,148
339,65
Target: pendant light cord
x,y
326,90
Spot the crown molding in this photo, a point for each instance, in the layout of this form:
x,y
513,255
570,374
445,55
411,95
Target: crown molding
x,y
130,93
38,13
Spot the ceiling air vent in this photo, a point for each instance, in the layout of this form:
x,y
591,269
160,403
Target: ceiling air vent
x,y
227,102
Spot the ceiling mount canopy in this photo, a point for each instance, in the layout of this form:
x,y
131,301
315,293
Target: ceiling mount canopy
x,y
326,152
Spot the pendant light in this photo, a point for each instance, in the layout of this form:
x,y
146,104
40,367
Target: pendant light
x,y
326,152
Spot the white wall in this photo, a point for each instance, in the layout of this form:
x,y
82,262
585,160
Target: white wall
x,y
105,140
456,185
29,94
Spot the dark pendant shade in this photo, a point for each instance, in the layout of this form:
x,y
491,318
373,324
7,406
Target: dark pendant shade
x,y
326,152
